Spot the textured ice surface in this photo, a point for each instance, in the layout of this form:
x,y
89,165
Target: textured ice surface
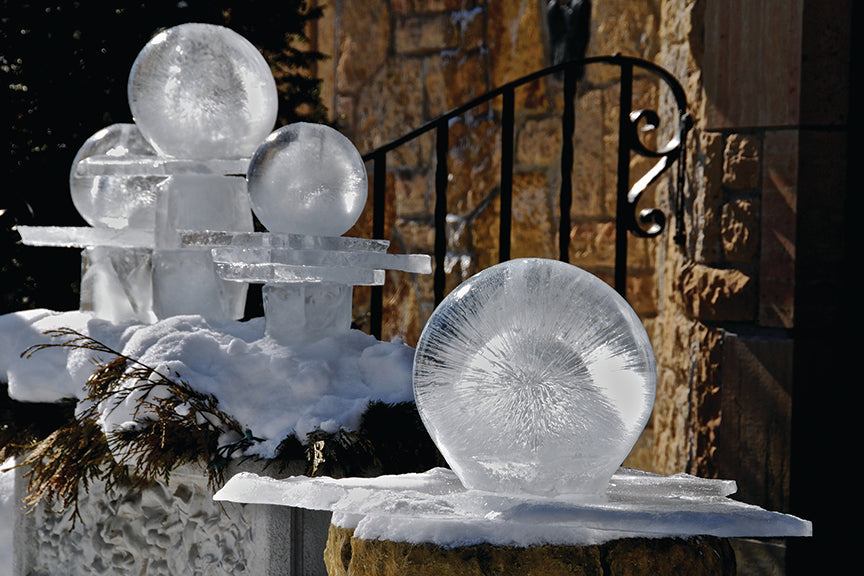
x,y
116,283
435,507
534,376
202,91
116,200
307,179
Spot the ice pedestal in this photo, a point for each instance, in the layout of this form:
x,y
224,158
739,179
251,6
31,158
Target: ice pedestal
x,y
185,280
116,283
306,311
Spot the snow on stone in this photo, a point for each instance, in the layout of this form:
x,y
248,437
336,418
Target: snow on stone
x,y
270,388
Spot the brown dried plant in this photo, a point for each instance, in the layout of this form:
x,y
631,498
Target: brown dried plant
x,y
173,425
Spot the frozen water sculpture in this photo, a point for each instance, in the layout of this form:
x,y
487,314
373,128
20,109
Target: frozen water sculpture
x,y
534,377
202,91
307,184
203,99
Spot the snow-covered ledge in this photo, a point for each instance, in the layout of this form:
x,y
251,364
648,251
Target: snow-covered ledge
x,y
273,390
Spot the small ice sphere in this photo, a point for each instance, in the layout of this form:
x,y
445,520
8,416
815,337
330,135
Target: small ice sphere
x,y
115,201
202,91
534,376
307,179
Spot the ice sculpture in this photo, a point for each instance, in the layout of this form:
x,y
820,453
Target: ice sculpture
x,y
307,184
534,377
203,99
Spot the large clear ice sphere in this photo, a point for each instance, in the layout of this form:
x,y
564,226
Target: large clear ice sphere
x,y
202,91
307,179
534,376
116,200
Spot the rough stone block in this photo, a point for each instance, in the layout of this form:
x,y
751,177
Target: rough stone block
x,y
716,294
697,556
741,162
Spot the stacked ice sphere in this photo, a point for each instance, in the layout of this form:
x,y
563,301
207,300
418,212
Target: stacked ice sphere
x,y
170,198
203,99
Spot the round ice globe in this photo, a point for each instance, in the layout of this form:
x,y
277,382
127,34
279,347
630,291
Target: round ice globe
x,y
307,179
202,91
117,200
534,376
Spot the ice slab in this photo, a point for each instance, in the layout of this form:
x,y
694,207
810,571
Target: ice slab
x,y
435,507
536,377
281,273
307,179
202,91
212,238
102,165
418,263
83,236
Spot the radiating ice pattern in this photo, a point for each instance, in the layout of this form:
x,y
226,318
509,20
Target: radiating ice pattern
x,y
202,91
534,376
307,179
115,200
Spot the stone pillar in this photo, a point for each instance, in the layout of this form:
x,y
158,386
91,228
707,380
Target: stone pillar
x,y
696,556
172,528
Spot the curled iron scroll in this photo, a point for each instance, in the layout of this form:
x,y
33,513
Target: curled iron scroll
x,y
650,221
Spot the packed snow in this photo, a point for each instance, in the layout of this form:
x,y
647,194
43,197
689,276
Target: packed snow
x,y
272,389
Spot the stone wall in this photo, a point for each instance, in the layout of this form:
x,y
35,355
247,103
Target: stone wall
x,y
720,308
397,65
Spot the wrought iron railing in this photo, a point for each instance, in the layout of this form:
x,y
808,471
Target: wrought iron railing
x,y
647,223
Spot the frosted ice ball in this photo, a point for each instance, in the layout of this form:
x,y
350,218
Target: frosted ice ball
x,y
307,179
534,376
117,200
202,91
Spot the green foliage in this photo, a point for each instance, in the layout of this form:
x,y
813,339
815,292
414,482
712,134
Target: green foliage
x,y
64,67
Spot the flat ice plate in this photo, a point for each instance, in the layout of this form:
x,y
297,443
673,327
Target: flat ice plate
x,y
435,507
158,166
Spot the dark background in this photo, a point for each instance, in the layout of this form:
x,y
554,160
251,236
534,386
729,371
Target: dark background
x,y
64,67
